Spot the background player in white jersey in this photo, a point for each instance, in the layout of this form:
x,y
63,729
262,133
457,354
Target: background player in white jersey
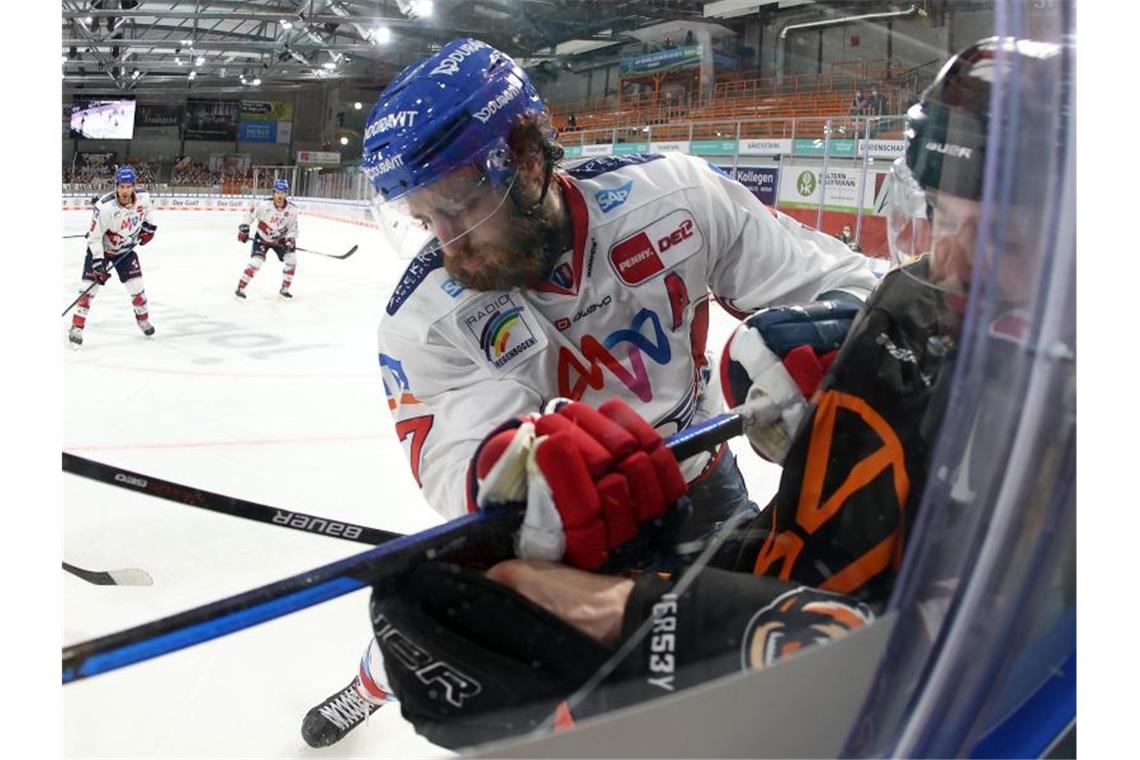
x,y
591,283
120,220
276,222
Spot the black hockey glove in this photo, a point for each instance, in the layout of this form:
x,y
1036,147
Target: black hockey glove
x,y
290,245
243,233
472,661
100,270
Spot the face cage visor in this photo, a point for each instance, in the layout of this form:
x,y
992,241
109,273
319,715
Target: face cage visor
x,y
451,206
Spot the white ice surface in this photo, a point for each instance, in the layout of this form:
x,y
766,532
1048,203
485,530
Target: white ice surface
x,y
274,401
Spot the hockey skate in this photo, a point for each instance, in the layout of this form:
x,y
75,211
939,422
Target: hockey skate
x,y
331,720
146,327
75,336
285,293
239,293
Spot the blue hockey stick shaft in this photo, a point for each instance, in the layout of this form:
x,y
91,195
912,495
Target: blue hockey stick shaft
x,y
483,536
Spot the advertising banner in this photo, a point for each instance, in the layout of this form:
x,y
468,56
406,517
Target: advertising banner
x,y
212,119
284,132
258,131
266,110
762,181
622,149
800,187
882,148
572,151
713,147
662,60
674,146
769,147
814,147
318,157
598,150
155,115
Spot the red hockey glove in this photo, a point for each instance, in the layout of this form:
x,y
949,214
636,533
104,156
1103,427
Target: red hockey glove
x,y
780,356
100,270
243,233
147,233
589,478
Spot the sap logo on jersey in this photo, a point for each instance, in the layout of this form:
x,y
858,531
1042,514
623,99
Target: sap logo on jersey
x,y
608,200
500,327
659,247
452,287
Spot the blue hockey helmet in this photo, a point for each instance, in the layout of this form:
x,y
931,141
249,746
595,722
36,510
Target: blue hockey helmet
x,y
125,176
451,110
281,186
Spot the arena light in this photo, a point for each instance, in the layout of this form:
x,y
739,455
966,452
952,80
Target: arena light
x,y
357,105
381,35
422,8
199,60
179,61
329,65
286,24
192,75
256,82
344,141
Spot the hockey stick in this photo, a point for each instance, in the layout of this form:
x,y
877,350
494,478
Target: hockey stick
x,y
131,576
482,537
351,251
80,298
227,505
69,237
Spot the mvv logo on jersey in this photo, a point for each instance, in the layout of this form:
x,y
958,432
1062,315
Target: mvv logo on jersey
x,y
660,246
608,200
501,329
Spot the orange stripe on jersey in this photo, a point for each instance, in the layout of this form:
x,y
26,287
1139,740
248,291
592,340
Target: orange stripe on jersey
x,y
863,569
813,511
562,717
405,398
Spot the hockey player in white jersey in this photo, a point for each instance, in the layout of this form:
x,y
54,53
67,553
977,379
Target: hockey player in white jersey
x,y
120,220
275,220
590,283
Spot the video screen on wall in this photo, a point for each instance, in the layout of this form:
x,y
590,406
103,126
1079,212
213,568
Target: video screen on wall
x,y
103,119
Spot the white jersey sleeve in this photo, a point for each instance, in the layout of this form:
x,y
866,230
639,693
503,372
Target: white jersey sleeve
x,y
438,427
760,257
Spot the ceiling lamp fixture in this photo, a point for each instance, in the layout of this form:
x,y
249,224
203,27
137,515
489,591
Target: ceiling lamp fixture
x,y
381,35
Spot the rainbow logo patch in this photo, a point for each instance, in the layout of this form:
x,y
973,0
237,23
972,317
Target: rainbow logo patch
x,y
501,329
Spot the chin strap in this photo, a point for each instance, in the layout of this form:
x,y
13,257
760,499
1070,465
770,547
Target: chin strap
x,y
533,208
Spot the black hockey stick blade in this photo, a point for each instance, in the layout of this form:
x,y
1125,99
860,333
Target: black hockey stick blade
x,y
131,576
227,505
351,251
480,538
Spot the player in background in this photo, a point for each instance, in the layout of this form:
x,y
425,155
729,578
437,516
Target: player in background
x,y
806,572
589,283
120,220
276,222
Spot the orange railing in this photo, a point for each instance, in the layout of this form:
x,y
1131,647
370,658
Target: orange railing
x,y
767,96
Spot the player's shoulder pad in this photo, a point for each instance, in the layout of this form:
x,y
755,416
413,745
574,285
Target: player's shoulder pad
x,y
617,185
426,292
592,167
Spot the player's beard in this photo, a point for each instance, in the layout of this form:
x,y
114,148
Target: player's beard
x,y
530,244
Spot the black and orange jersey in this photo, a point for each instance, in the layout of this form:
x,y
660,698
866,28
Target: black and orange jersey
x,y
857,466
